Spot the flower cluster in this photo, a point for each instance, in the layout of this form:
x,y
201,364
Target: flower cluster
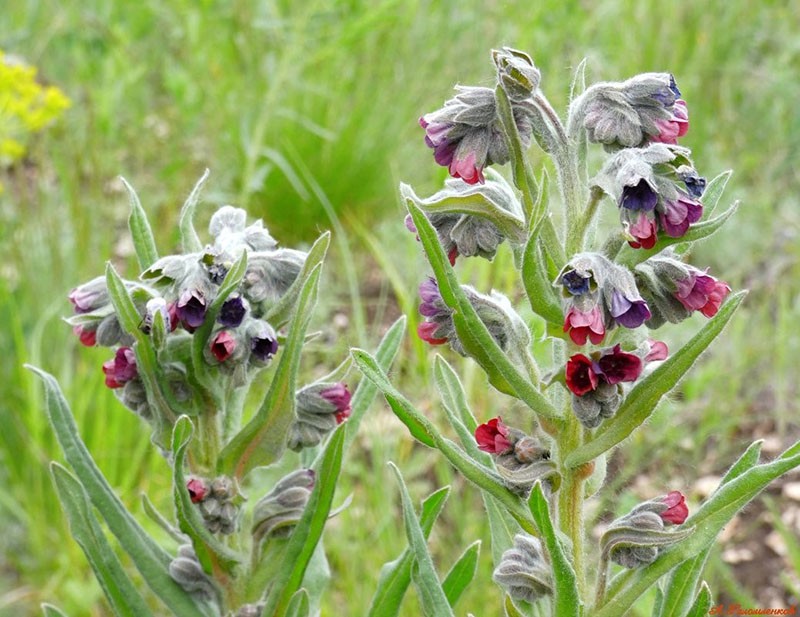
x,y
598,295
218,503
320,407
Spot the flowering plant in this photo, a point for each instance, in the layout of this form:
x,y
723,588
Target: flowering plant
x,y
598,298
191,336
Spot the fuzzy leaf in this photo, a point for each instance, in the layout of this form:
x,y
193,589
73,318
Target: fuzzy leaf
x,y
567,600
281,312
263,440
190,241
455,404
713,192
679,590
214,556
431,595
52,611
150,559
483,477
395,576
462,573
122,594
641,401
472,332
537,283
309,528
142,235
708,521
365,394
511,609
154,515
702,605
299,605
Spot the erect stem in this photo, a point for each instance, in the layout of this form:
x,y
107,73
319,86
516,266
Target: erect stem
x,y
570,497
602,575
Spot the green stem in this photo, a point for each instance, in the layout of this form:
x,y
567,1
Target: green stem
x,y
602,576
595,196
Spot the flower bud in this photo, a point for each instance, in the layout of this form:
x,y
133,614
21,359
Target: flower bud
x,y
270,274
90,296
516,73
198,489
110,333
231,237
634,540
222,345
215,502
121,369
523,571
86,334
277,512
465,135
186,570
134,396
320,407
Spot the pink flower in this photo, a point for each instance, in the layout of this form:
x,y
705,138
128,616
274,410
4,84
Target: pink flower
x,y
677,510
198,489
702,292
339,396
121,369
86,337
582,325
658,351
677,126
492,437
427,332
467,169
644,231
223,345
581,376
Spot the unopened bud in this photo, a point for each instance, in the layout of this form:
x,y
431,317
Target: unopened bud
x,y
516,73
278,511
523,571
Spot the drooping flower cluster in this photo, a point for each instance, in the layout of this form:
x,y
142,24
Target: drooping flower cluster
x,y
598,295
523,570
320,407
521,459
217,501
634,540
594,380
276,513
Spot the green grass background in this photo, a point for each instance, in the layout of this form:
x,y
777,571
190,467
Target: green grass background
x,y
306,114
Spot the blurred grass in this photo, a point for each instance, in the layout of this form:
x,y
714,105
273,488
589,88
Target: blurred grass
x,y
280,99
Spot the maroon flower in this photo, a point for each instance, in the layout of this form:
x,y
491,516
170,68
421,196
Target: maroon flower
x,y
677,511
492,437
427,332
581,375
618,366
658,351
198,489
121,369
87,337
339,396
582,325
222,345
702,292
191,308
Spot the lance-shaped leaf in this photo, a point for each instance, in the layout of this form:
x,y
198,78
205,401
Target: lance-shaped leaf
x,y
472,332
567,600
52,611
461,574
150,559
483,477
702,605
679,590
142,235
708,521
154,515
214,556
263,440
493,201
122,594
190,241
431,595
365,393
646,394
280,312
538,285
299,605
395,575
308,530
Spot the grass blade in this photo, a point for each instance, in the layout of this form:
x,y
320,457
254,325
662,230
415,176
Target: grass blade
x,y
122,594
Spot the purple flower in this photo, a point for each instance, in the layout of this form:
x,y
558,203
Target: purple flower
x,y
695,183
339,396
264,344
121,369
191,308
628,312
641,196
679,215
617,366
575,283
232,312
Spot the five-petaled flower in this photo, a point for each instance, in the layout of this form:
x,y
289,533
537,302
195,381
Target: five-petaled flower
x,y
493,437
701,292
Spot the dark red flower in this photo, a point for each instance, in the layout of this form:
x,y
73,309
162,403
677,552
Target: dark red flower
x,y
86,337
427,330
677,511
581,375
198,489
223,345
618,366
121,369
339,396
492,437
